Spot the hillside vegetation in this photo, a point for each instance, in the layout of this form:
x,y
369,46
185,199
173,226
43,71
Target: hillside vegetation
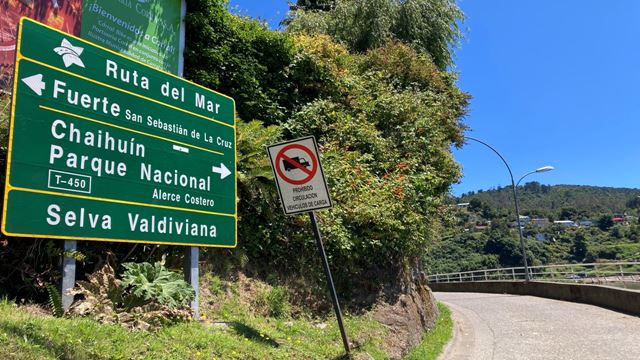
x,y
603,226
550,200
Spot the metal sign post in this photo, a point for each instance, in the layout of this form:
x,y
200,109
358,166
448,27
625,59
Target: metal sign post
x,y
68,273
192,276
303,188
327,272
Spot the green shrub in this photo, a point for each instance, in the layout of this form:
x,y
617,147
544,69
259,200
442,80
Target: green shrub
x,y
274,301
153,282
151,297
216,286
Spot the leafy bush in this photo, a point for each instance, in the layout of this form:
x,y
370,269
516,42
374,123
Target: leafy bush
x,y
136,305
385,141
154,283
215,284
274,301
385,121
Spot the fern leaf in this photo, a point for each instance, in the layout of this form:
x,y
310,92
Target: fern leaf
x,y
55,301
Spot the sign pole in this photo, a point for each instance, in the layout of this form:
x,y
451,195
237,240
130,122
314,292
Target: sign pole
x,y
192,276
68,273
303,188
327,272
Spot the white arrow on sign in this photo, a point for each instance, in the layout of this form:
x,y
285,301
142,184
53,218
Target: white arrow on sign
x,y
35,83
222,170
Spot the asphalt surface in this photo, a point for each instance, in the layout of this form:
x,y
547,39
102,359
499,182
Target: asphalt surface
x,y
512,327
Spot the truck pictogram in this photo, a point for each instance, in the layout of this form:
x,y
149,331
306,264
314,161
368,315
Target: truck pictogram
x,y
288,166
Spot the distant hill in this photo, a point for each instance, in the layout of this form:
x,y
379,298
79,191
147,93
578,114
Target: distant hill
x,y
552,199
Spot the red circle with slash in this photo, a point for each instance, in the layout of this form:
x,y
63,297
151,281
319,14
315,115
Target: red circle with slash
x,y
282,157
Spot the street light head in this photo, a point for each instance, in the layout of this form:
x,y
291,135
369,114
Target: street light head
x,y
544,169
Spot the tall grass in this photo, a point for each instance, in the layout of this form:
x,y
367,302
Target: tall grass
x,y
434,341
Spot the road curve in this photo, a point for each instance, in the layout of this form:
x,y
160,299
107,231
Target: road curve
x,y
512,327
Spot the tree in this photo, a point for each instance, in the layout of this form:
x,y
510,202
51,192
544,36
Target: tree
x,y
532,187
242,58
386,150
568,213
429,26
506,248
634,203
605,222
475,205
579,247
385,119
307,5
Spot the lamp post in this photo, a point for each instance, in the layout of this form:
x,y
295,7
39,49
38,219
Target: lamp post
x,y
514,185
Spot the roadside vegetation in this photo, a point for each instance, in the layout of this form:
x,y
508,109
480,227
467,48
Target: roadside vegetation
x,y
434,341
247,332
24,335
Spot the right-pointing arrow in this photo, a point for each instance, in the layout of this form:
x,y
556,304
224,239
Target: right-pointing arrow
x,y
222,170
35,83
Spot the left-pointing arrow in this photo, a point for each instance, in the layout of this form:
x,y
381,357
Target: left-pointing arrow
x,y
35,83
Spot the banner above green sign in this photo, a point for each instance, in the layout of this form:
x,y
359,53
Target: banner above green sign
x,y
105,148
150,31
146,30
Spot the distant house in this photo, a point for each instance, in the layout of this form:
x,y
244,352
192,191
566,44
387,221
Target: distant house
x,y
585,223
524,219
536,222
463,205
619,219
565,223
541,237
540,222
480,227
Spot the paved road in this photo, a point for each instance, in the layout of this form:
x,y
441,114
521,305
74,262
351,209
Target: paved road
x,y
513,327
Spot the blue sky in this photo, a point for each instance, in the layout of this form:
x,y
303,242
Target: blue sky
x,y
553,83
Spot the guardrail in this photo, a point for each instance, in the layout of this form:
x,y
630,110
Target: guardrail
x,y
622,274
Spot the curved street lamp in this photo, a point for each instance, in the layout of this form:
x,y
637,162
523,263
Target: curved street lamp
x,y
514,185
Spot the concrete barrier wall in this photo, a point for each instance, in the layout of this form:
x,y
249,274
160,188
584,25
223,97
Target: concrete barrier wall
x,y
627,301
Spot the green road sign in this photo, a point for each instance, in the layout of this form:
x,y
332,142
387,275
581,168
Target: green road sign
x,y
105,148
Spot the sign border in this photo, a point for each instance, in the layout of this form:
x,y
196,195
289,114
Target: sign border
x,y
275,175
8,187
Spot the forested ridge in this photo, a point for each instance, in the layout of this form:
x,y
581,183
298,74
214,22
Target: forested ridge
x,y
600,224
551,199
